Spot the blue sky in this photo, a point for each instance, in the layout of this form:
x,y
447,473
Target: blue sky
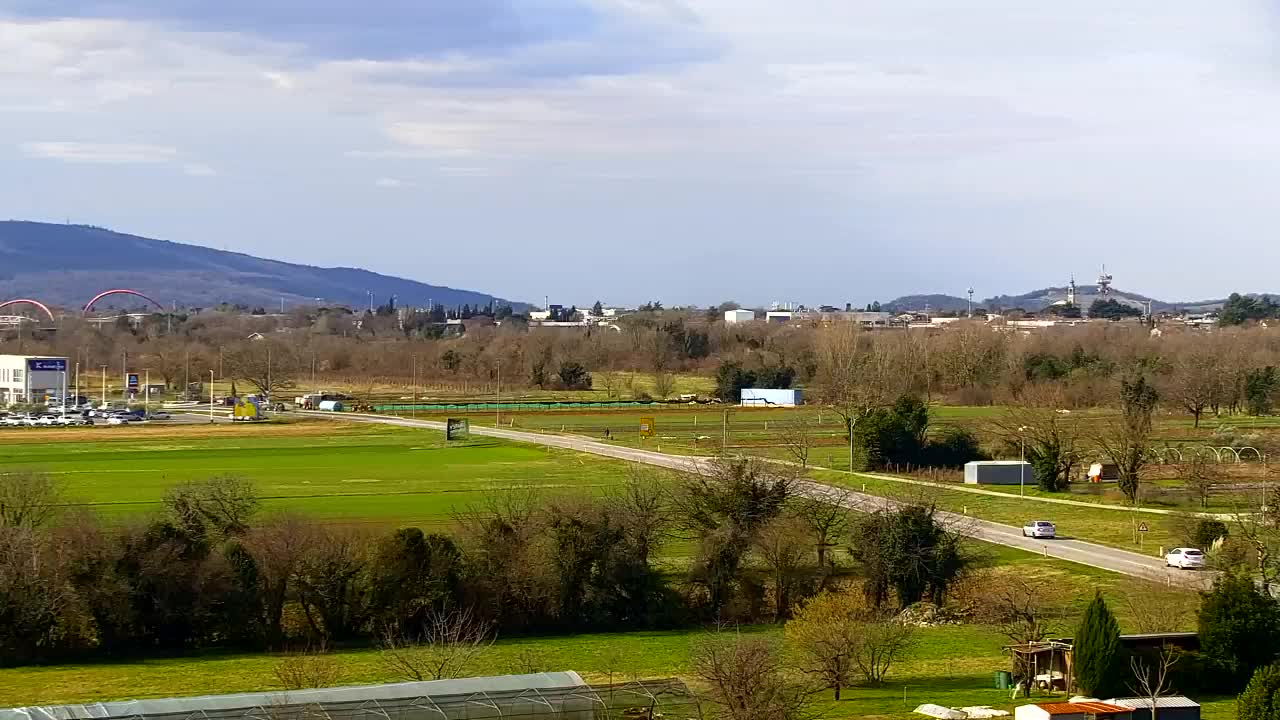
x,y
689,150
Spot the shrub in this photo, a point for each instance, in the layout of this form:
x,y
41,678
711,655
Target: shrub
x,y
1261,699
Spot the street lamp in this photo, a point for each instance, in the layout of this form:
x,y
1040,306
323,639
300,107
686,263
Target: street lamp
x,y
1022,466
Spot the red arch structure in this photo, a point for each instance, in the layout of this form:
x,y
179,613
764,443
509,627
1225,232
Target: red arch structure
x,y
29,301
119,291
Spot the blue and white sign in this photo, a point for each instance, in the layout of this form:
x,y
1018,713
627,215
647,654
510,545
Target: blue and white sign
x,y
47,365
131,381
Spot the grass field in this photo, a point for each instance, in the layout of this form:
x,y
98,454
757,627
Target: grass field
x,y
338,472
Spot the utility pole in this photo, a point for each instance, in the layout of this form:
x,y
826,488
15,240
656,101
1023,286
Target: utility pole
x,y
104,386
77,385
124,374
210,397
146,394
413,409
497,405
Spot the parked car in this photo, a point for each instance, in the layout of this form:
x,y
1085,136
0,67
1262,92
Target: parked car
x,y
1039,529
117,420
1184,559
159,415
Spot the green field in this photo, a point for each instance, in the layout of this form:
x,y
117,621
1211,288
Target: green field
x,y
338,472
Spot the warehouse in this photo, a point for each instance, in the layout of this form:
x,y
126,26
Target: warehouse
x,y
998,472
761,397
32,379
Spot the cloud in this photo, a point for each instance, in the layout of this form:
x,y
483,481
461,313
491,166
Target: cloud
x,y
198,170
390,183
100,153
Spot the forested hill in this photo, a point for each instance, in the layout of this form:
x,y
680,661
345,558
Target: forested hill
x,y
67,264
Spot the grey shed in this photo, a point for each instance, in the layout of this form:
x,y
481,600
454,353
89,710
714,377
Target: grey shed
x,y
1173,707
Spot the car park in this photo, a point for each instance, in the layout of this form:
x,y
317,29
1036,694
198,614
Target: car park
x,y
1039,529
1185,559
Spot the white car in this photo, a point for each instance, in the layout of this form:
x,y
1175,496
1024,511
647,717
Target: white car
x,y
1185,559
117,420
1039,529
160,415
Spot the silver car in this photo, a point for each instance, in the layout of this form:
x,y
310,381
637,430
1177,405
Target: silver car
x,y
1039,529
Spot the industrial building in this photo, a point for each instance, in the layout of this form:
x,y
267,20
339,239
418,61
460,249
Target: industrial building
x,y
761,397
32,379
999,472
734,317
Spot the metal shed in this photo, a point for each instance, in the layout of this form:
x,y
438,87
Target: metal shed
x,y
1174,707
998,472
540,696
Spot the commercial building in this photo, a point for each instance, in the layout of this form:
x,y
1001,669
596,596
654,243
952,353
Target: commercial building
x,y
734,317
32,379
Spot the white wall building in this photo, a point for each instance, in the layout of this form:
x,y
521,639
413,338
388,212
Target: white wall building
x,y
733,317
29,378
762,397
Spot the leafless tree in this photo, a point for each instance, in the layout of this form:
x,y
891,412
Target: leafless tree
x,y
855,374
27,499
279,547
1022,608
1151,677
1155,608
224,502
1197,380
329,583
1200,476
35,598
663,384
642,506
884,642
745,678
452,643
310,668
827,518
1048,436
797,436
826,635
268,365
783,547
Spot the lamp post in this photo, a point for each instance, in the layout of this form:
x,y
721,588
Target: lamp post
x,y
210,397
1022,466
104,387
497,400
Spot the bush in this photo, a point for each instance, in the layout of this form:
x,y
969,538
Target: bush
x,y
1207,532
1261,699
956,447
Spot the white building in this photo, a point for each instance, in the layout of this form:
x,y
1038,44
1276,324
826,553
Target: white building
x,y
733,317
32,379
762,397
779,316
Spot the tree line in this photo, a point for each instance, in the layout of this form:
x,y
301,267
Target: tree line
x,y
210,570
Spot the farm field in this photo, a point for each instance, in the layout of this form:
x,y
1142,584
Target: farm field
x,y
334,471
950,665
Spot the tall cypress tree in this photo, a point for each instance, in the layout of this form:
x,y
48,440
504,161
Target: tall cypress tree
x,y
1096,651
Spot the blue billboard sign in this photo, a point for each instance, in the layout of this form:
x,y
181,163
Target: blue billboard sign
x,y
132,381
47,365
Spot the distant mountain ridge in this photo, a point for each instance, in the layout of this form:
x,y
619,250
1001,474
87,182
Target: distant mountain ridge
x,y
66,265
1037,300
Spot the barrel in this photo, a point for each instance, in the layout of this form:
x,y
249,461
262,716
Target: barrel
x,y
1004,679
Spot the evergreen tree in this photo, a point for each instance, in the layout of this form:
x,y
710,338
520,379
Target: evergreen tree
x,y
1097,649
1239,628
1261,699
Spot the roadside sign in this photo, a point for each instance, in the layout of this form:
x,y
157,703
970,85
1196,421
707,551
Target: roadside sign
x,y
457,429
1142,527
648,427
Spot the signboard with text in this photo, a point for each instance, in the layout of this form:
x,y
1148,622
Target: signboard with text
x,y
457,429
131,381
648,427
47,365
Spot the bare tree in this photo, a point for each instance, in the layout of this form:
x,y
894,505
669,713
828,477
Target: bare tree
x,y
1022,608
827,518
1155,608
856,374
279,548
452,643
1200,476
783,547
27,499
311,668
744,678
1196,382
224,502
663,384
884,642
1151,677
1048,437
268,365
797,436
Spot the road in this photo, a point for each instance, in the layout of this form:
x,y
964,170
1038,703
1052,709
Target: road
x,y
1077,551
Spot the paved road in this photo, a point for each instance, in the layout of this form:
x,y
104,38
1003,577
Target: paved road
x,y
1085,553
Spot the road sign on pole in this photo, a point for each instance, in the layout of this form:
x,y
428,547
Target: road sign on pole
x,y
648,427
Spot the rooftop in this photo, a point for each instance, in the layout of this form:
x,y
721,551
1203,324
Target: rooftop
x,y
1083,708
1173,701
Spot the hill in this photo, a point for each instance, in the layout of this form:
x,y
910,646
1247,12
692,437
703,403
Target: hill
x,y
935,303
1037,300
65,265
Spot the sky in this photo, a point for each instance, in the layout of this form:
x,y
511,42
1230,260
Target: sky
x,y
692,151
